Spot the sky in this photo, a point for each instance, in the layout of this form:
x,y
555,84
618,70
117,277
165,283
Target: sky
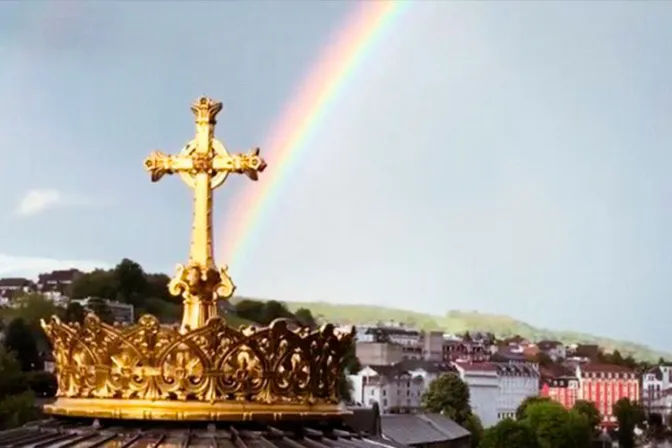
x,y
509,157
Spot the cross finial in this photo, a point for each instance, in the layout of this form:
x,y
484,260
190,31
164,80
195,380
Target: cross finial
x,y
205,110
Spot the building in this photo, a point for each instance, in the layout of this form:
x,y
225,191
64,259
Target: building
x,y
456,350
424,431
379,353
483,382
57,280
395,388
122,312
656,388
604,385
559,385
554,349
516,381
11,286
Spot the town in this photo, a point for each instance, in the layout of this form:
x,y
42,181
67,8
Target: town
x,y
395,367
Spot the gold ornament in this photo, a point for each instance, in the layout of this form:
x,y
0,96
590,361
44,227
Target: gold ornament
x,y
203,370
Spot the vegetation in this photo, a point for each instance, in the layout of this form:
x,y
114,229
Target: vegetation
x,y
629,416
544,424
461,321
449,395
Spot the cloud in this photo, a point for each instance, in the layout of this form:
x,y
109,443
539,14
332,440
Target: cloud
x,y
30,267
40,200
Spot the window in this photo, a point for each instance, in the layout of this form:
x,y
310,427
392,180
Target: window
x,y
372,391
384,392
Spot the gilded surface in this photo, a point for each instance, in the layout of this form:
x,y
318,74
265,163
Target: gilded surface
x,y
204,369
216,371
204,165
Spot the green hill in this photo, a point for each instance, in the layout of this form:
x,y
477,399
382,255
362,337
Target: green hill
x,y
459,321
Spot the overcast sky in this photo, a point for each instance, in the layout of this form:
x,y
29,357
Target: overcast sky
x,y
502,157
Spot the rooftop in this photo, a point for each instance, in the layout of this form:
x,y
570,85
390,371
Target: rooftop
x,y
128,434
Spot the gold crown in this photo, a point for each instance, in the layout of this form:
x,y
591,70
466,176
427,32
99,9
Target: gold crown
x,y
203,370
149,371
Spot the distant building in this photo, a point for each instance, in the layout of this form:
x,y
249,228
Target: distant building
x,y
517,381
604,385
395,388
554,349
657,389
57,281
122,312
464,351
559,385
483,382
11,286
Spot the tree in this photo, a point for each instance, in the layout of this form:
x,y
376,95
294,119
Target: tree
x,y
16,401
474,425
509,433
589,411
448,395
74,312
131,282
629,415
305,317
19,339
98,283
522,407
555,427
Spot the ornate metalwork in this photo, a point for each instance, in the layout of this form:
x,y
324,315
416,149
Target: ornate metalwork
x,y
153,371
204,165
204,369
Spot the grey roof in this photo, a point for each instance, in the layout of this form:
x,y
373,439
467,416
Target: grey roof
x,y
413,429
86,433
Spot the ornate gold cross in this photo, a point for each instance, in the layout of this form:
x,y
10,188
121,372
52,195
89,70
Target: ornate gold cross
x,y
204,165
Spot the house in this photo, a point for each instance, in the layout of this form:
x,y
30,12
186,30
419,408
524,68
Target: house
x,y
554,349
397,387
483,382
11,286
424,431
604,385
393,388
122,312
656,382
516,381
559,384
378,353
584,351
57,280
455,350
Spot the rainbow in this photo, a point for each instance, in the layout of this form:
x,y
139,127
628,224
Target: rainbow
x,y
301,119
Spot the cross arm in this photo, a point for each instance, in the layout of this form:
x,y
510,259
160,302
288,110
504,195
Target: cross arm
x,y
250,164
159,164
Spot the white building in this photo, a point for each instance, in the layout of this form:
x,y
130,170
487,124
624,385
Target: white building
x,y
396,388
122,312
657,389
516,383
483,382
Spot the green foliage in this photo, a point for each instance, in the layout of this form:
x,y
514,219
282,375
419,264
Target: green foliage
x,y
522,407
509,434
19,340
305,317
461,321
474,425
448,395
17,410
589,411
544,424
16,400
629,415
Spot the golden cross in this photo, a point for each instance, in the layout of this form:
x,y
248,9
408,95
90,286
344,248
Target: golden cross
x,y
203,164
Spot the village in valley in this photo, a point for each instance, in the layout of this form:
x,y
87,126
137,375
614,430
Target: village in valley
x,y
415,379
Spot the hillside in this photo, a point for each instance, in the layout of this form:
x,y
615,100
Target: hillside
x,y
459,321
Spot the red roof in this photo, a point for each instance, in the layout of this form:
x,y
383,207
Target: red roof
x,y
595,367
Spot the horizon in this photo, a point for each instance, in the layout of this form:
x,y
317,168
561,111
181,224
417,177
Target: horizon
x,y
464,166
